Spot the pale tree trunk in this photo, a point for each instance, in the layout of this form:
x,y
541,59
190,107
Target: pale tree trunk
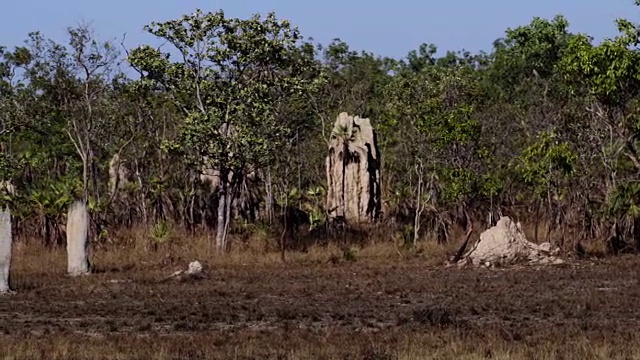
x,y
270,202
227,215
81,149
419,208
420,204
141,195
192,207
85,178
220,226
225,199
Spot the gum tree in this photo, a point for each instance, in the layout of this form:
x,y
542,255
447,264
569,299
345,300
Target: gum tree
x,y
228,77
608,76
433,111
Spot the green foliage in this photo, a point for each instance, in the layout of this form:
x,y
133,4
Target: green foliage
x,y
438,101
438,105
610,71
525,53
459,184
418,60
546,115
160,232
317,215
54,198
231,74
349,254
546,162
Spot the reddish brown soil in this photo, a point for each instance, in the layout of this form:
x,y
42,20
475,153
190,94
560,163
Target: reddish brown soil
x,y
276,310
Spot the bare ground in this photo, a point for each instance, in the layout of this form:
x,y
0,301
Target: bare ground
x,y
382,306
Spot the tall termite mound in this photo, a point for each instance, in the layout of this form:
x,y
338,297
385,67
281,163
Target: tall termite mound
x,y
353,171
77,242
6,241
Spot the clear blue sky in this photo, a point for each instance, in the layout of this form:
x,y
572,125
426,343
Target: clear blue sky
x,y
389,28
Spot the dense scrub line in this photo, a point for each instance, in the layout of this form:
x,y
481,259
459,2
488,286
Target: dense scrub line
x,y
232,137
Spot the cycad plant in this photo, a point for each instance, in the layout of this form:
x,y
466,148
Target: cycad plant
x,y
625,209
50,203
317,215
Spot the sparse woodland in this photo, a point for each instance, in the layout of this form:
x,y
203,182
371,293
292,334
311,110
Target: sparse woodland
x,y
544,128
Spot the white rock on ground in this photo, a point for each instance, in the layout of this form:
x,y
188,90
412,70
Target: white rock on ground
x,y
194,267
194,271
6,241
506,243
77,233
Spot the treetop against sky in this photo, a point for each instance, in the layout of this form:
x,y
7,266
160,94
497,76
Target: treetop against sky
x,y
382,27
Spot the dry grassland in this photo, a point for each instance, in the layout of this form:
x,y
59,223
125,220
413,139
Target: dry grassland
x,y
376,302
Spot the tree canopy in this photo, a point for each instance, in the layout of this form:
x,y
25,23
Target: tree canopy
x,y
543,127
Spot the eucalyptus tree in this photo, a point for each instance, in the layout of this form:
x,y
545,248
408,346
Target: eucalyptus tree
x,y
13,105
227,78
71,83
432,113
608,76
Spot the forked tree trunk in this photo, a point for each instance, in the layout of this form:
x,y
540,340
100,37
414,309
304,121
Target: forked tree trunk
x,y
269,195
6,241
225,199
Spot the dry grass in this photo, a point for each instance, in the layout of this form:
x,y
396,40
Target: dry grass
x,y
296,345
381,301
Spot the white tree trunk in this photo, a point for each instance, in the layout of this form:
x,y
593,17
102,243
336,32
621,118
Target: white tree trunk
x,y
77,233
222,222
419,208
420,205
6,240
270,202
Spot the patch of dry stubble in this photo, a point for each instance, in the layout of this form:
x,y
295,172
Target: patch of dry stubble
x,y
380,303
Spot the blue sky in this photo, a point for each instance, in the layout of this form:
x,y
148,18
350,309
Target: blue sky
x,y
389,28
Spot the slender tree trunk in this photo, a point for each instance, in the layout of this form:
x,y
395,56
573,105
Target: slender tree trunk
x,y
537,221
94,176
224,211
299,160
192,208
85,178
227,215
141,196
636,234
220,226
550,215
285,222
490,218
269,191
47,231
419,207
